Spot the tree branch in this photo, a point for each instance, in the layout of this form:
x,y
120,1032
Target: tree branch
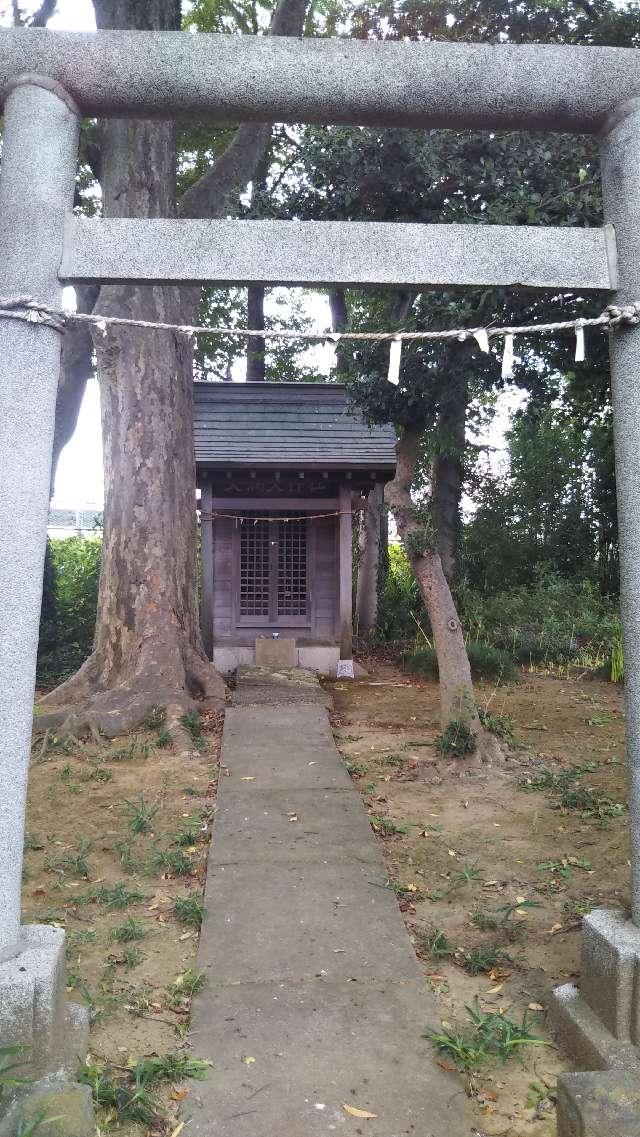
x,y
44,14
215,193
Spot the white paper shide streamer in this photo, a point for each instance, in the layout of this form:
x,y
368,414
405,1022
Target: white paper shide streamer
x,y
507,358
580,350
482,339
395,355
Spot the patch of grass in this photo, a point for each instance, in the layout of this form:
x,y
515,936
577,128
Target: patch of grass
x,y
141,815
184,987
33,1127
126,1095
591,804
502,726
79,938
547,779
409,892
172,861
192,722
135,749
129,862
170,1068
155,718
394,760
139,1001
508,917
189,834
32,842
561,871
468,874
492,1037
486,662
356,769
484,959
12,1059
126,1099
577,908
163,739
189,910
116,896
132,957
129,931
73,864
457,740
436,944
385,827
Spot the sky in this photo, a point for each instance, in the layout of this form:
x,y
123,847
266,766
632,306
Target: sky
x,y
79,481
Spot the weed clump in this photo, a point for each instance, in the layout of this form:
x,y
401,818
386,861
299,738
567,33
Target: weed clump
x,y
492,1037
189,910
457,740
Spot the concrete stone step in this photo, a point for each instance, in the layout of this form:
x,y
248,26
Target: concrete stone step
x,y
292,922
281,747
288,1057
258,825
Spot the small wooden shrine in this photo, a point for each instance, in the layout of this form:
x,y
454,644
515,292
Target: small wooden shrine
x,y
281,468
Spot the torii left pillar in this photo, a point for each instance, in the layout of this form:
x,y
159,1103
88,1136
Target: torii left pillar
x,y
37,177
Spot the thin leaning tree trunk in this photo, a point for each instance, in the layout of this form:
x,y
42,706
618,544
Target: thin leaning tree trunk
x,y
368,566
457,699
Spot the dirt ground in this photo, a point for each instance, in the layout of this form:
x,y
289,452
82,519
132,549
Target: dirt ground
x,y
473,840
84,806
460,842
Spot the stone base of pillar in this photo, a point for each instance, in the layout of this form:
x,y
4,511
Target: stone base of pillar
x,y
53,1034
599,1025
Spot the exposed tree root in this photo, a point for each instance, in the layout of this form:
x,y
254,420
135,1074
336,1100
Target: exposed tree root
x,y
85,705
489,750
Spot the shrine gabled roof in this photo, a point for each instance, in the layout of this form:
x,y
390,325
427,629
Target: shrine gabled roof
x,y
286,425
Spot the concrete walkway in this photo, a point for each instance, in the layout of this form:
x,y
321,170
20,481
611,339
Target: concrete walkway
x,y
314,999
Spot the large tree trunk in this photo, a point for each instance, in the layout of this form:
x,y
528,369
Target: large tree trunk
x,y
369,560
448,471
457,700
147,650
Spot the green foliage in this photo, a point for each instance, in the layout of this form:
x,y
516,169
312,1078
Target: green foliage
x,y
141,815
484,959
436,943
130,930
492,1037
551,621
617,658
116,896
502,726
457,739
69,614
12,1058
385,827
189,910
184,987
171,861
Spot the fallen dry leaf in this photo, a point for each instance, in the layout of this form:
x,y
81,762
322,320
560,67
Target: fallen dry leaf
x,y
178,1130
536,1007
247,779
178,1095
353,1112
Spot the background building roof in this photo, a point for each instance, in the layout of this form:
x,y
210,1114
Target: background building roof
x,y
280,425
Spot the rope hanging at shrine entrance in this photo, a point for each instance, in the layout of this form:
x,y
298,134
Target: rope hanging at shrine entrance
x,y
28,309
241,517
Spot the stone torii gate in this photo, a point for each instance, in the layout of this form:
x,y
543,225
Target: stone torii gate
x,y
49,80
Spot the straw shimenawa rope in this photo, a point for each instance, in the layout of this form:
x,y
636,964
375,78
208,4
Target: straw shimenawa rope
x,y
26,308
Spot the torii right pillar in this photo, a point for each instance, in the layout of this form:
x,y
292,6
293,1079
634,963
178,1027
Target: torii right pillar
x,y
600,1023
